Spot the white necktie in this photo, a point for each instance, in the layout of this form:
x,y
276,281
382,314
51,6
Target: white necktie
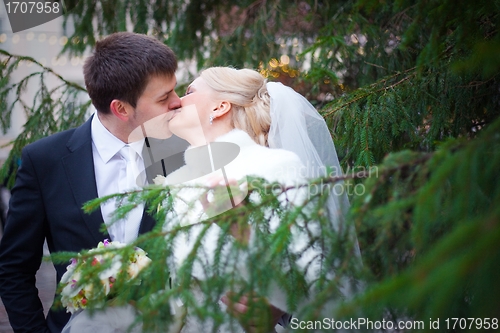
x,y
131,177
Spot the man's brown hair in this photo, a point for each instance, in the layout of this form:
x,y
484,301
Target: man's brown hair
x,y
121,66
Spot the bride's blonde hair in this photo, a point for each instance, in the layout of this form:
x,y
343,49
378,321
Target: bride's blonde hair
x,y
246,90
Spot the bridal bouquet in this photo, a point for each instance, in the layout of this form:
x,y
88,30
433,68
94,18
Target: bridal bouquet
x,y
77,295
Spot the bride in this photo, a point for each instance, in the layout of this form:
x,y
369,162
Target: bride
x,y
240,125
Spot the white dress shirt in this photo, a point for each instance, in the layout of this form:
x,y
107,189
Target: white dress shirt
x,y
109,168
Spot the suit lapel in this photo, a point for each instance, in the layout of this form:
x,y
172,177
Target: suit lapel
x,y
79,167
147,222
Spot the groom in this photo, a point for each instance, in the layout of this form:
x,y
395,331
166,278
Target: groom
x,y
130,79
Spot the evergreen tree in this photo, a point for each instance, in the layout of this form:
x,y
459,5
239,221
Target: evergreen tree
x,y
411,93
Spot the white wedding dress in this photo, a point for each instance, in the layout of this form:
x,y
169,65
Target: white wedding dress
x,y
274,165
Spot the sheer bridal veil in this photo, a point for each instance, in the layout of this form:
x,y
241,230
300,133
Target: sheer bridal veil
x,y
298,127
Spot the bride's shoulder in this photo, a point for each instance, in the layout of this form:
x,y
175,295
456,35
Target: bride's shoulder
x,y
282,156
276,155
258,160
277,162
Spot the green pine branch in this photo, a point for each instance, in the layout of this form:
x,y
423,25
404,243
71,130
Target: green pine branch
x,y
53,108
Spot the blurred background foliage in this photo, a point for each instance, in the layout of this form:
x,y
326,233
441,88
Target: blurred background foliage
x,y
409,87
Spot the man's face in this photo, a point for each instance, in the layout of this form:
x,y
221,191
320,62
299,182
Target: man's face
x,y
192,121
153,106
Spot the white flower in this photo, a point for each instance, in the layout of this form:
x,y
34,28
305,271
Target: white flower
x,y
113,270
142,262
159,180
134,268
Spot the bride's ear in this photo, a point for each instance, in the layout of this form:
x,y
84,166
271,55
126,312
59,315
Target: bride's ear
x,y
222,108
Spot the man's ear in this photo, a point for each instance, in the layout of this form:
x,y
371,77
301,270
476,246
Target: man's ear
x,y
120,109
222,108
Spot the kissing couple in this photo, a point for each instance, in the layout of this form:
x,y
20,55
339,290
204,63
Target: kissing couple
x,y
130,78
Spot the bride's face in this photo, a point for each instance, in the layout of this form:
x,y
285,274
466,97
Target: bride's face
x,y
192,120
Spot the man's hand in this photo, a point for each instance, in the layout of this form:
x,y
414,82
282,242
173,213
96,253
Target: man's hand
x,y
254,313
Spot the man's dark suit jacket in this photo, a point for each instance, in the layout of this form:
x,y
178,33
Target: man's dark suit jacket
x,y
55,179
